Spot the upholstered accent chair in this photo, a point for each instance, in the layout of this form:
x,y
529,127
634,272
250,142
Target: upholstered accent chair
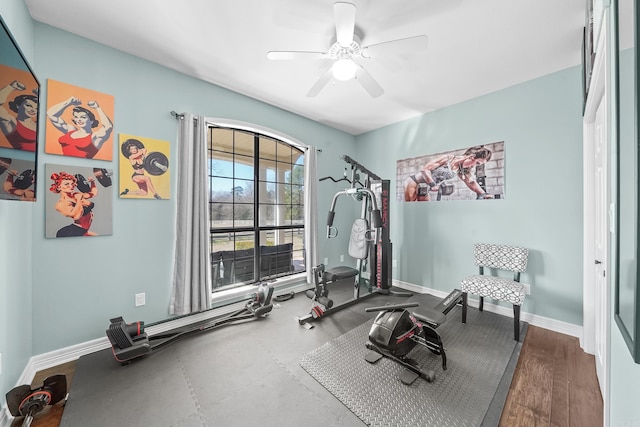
x,y
484,284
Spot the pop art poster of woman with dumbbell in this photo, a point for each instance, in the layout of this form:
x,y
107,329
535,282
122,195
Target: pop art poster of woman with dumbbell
x,y
144,168
79,122
18,179
78,201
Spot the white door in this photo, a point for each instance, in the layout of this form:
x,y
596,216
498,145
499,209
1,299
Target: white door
x,y
601,280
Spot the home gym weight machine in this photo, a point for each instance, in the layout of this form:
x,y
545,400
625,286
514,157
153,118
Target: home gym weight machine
x,y
129,340
369,241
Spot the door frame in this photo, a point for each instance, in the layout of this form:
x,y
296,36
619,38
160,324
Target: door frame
x,y
599,92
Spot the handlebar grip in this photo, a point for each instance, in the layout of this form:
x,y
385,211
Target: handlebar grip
x,y
376,218
330,217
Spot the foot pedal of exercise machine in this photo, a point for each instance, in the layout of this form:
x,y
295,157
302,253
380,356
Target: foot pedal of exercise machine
x,y
408,376
305,324
372,356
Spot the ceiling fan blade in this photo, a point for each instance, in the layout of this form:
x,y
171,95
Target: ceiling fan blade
x,y
406,45
321,83
280,55
345,16
368,82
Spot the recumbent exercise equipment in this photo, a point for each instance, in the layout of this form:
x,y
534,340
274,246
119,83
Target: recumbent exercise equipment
x,y
129,340
369,236
396,332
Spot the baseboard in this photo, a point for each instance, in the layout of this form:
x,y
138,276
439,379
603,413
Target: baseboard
x,y
5,418
532,319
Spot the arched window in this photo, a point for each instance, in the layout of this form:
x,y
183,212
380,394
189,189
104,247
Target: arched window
x,y
256,206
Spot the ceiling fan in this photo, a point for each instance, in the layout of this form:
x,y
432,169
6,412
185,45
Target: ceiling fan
x,y
346,52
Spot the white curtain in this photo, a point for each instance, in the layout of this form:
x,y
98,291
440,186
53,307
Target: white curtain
x,y
192,268
311,210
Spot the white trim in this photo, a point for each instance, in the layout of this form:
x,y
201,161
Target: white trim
x,y
237,124
533,319
244,291
5,417
599,93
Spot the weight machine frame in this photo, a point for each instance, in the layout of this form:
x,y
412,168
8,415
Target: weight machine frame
x,y
374,194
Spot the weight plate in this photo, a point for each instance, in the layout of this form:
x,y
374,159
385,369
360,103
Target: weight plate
x,y
156,163
128,143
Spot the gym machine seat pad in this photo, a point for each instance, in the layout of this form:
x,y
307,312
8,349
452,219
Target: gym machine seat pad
x,y
429,315
337,273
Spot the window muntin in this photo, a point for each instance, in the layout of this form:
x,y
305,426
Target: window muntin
x,y
256,195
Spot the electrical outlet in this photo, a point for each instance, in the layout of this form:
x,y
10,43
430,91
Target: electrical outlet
x,y
341,258
326,262
394,263
140,299
527,288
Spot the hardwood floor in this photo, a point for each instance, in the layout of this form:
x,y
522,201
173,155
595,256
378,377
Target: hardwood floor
x,y
554,384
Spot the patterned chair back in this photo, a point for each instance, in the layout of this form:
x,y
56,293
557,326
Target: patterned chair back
x,y
503,257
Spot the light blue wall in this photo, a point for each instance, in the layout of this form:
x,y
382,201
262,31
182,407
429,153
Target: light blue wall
x,y
625,373
87,281
540,122
625,377
16,219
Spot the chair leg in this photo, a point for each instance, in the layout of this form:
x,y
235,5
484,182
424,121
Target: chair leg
x,y
464,307
516,322
481,306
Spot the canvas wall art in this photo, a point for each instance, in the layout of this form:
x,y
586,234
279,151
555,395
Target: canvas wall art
x,y
78,201
144,168
79,122
472,173
18,109
18,178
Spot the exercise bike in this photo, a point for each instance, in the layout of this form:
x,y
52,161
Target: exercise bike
x,y
130,341
396,332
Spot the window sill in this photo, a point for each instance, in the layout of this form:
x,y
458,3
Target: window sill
x,y
242,293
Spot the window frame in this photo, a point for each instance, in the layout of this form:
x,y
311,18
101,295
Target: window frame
x,y
256,228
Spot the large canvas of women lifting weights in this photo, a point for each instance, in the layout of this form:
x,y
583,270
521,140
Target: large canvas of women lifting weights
x,y
78,201
79,122
144,168
472,173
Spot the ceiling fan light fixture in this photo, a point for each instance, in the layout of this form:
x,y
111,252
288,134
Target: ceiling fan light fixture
x,y
344,69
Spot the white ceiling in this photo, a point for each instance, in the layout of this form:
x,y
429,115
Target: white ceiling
x,y
475,47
